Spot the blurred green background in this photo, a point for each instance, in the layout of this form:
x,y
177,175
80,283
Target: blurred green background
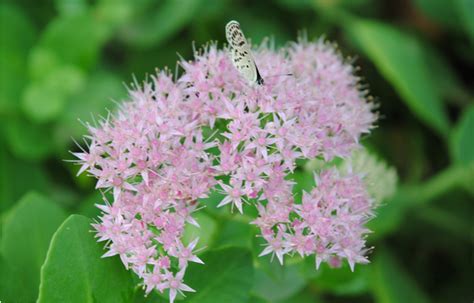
x,y
64,60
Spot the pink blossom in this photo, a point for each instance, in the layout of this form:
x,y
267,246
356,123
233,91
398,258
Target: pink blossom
x,y
234,195
175,284
163,150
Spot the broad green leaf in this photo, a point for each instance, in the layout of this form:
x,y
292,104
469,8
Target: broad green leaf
x,y
462,139
211,202
27,231
27,140
234,233
206,232
17,177
161,23
400,59
153,297
275,282
390,282
13,51
13,290
75,272
342,281
227,276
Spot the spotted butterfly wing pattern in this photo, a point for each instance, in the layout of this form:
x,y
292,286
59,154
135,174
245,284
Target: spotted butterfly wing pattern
x,y
241,54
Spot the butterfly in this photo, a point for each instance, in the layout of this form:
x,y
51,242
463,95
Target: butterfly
x,y
241,54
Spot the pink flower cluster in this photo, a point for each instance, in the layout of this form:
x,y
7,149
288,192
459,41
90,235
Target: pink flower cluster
x,y
328,222
154,154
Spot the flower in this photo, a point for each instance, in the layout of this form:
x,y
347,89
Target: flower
x,y
168,146
175,284
234,195
379,178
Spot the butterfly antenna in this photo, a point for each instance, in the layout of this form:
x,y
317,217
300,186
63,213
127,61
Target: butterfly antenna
x,y
280,75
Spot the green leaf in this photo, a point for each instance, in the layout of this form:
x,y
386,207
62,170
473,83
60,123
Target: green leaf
x,y
359,7
45,99
441,11
276,282
304,182
71,7
211,202
391,284
448,82
465,9
303,297
58,72
400,59
87,207
84,37
41,103
342,281
457,15
462,140
92,100
13,289
408,197
255,299
14,182
227,276
75,272
27,140
234,233
205,232
14,18
296,5
161,23
13,50
115,13
27,231
390,215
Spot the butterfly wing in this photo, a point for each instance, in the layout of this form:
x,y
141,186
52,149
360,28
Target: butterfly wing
x,y
241,54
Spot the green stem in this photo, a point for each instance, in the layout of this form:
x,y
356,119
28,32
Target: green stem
x,y
410,197
451,178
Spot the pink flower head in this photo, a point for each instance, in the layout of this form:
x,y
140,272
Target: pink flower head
x,y
155,156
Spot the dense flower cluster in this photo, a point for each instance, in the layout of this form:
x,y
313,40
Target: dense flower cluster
x,y
155,156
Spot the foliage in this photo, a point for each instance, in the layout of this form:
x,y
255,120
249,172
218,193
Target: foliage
x,y
65,60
